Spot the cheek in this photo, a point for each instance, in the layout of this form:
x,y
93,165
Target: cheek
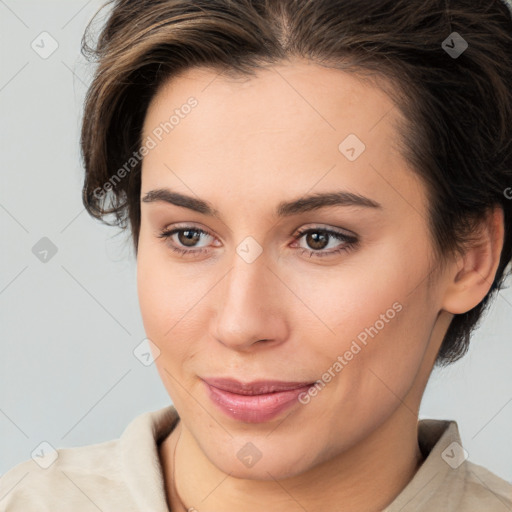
x,y
153,293
172,300
372,361
343,304
166,294
377,317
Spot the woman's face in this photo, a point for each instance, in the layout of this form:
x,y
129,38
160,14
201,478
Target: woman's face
x,y
273,285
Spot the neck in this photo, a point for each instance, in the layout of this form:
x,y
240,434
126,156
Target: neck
x,y
366,478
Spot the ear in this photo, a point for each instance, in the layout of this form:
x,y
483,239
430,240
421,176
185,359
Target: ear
x,y
475,270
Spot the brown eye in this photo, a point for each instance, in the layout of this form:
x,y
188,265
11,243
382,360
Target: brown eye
x,y
317,240
189,237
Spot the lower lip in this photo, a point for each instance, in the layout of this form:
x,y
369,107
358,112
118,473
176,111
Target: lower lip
x,y
254,408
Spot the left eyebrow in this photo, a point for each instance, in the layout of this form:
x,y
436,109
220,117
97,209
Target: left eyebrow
x,y
321,200
284,209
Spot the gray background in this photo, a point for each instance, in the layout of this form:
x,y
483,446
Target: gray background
x,y
69,326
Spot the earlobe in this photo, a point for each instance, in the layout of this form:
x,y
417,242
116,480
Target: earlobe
x,y
475,270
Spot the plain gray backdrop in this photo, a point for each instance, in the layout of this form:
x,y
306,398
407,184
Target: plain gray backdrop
x,y
70,323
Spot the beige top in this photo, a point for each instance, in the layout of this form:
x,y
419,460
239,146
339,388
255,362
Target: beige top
x,y
125,475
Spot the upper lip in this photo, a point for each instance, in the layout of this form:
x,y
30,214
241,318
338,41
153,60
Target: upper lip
x,y
256,387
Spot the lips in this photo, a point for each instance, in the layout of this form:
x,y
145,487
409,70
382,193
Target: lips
x,y
256,401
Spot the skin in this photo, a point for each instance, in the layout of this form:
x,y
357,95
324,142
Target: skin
x,y
248,145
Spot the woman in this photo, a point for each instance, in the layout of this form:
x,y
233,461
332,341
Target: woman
x,y
319,198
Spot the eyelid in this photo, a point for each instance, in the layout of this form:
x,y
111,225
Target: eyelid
x,y
328,228
171,230
185,225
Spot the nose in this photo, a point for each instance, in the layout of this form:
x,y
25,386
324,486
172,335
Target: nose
x,y
250,308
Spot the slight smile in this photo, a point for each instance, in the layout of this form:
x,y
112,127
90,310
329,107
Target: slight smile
x,y
254,402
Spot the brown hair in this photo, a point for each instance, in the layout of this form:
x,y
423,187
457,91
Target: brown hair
x,y
458,109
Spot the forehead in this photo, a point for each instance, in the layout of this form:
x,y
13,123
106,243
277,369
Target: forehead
x,y
289,124
319,95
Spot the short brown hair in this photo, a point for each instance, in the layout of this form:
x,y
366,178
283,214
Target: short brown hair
x,y
458,134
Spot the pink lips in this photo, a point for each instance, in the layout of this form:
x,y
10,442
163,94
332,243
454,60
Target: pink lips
x,y
254,402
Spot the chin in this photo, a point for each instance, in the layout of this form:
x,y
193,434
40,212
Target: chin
x,y
272,464
264,471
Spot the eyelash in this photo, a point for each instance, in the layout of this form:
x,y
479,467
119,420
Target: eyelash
x,y
350,241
